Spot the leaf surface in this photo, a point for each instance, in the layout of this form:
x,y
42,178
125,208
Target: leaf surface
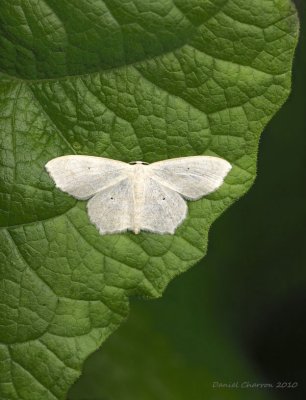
x,y
129,80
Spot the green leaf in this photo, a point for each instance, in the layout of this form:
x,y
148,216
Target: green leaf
x,y
127,80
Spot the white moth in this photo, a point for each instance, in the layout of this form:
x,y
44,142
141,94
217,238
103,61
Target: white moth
x,y
137,196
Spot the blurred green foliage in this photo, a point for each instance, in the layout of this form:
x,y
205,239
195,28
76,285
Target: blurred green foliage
x,y
238,315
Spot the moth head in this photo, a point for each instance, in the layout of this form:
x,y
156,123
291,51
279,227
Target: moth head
x,y
138,162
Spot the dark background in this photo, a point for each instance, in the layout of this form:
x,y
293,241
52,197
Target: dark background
x,y
239,315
